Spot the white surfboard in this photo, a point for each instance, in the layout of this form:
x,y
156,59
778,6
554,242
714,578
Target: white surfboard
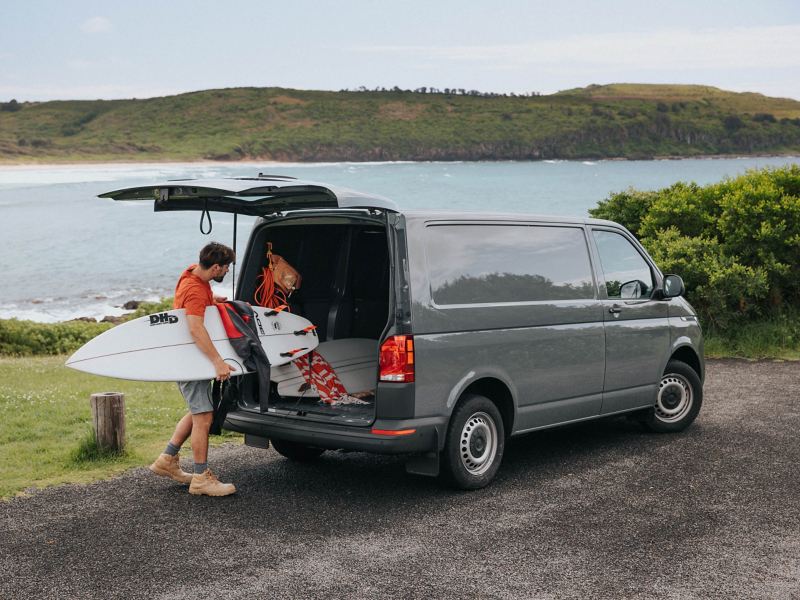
x,y
355,361
159,347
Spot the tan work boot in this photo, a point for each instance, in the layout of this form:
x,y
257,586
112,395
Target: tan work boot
x,y
168,466
206,483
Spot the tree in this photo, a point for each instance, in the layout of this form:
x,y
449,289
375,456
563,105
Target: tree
x,y
732,123
12,106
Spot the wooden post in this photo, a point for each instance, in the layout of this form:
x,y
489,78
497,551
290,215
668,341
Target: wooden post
x,y
108,416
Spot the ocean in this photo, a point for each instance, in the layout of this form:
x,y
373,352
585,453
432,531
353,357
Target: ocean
x,y
67,253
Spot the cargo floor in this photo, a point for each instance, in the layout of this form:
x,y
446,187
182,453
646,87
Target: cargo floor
x,y
313,408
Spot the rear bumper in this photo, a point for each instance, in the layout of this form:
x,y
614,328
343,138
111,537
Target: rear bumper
x,y
425,438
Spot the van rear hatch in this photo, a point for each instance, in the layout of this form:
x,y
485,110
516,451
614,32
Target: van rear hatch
x,y
344,258
254,196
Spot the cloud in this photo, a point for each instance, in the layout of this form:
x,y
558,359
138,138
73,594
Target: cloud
x,y
741,47
78,64
44,92
97,25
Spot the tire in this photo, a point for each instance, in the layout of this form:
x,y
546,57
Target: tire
x,y
296,451
680,396
474,445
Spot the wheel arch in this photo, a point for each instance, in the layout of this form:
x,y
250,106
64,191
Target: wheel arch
x,y
499,393
688,355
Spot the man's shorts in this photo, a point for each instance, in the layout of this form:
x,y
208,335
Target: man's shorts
x,y
197,395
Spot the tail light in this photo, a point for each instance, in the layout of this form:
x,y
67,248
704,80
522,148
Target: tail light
x,y
397,359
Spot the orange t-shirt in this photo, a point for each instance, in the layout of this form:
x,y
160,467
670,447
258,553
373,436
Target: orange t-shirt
x,y
193,294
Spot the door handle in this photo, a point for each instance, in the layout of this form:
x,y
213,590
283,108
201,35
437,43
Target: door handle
x,y
615,310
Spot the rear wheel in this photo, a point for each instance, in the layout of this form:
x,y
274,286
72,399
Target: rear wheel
x,y
680,395
295,451
475,443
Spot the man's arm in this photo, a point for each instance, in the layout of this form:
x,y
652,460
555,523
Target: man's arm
x,y
200,336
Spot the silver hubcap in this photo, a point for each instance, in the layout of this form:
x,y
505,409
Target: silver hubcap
x,y
674,398
478,443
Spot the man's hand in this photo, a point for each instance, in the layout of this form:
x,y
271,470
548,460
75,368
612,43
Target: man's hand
x,y
200,336
219,299
224,370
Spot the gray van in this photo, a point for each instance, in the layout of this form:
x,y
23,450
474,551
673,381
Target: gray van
x,y
485,326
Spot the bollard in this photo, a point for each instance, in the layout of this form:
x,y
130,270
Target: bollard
x,y
108,416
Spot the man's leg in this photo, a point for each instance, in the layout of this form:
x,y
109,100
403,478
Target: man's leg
x,y
168,463
182,431
201,423
198,399
204,482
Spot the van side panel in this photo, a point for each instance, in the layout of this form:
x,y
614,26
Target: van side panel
x,y
553,351
557,370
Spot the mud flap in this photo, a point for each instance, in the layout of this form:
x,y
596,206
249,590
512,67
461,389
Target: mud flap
x,y
256,441
426,464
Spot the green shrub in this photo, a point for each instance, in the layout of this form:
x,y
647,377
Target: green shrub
x,y
28,338
628,208
722,289
735,243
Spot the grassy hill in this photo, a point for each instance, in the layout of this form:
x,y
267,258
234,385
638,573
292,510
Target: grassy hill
x,y
612,121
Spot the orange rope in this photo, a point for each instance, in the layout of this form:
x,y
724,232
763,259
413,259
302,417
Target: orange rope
x,y
266,293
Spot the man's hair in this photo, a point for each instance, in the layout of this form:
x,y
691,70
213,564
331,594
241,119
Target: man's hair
x,y
216,254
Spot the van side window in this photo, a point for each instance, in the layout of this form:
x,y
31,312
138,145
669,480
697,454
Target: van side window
x,y
472,264
626,272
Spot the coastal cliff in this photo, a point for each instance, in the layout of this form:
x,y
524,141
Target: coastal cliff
x,y
632,121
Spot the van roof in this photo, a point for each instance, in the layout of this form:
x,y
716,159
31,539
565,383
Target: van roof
x,y
266,194
445,215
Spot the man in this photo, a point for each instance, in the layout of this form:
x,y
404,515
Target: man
x,y
193,293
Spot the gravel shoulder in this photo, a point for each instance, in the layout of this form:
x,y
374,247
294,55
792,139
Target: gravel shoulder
x,y
601,510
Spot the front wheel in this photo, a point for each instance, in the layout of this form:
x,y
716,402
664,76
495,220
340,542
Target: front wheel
x,y
295,451
680,395
475,442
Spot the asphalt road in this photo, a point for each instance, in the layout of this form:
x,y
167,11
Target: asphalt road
x,y
601,510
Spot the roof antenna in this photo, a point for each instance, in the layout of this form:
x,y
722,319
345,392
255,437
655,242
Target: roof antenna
x,y
265,176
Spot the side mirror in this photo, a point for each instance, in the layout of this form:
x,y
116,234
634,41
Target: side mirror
x,y
631,289
673,286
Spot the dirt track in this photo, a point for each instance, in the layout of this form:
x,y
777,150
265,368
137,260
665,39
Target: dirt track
x,y
602,510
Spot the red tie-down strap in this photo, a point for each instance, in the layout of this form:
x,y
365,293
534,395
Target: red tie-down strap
x,y
291,353
275,311
305,330
230,329
320,374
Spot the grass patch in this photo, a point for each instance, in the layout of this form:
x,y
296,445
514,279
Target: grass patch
x,y
776,337
87,452
45,418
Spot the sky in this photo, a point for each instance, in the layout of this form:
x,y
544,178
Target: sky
x,y
83,49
